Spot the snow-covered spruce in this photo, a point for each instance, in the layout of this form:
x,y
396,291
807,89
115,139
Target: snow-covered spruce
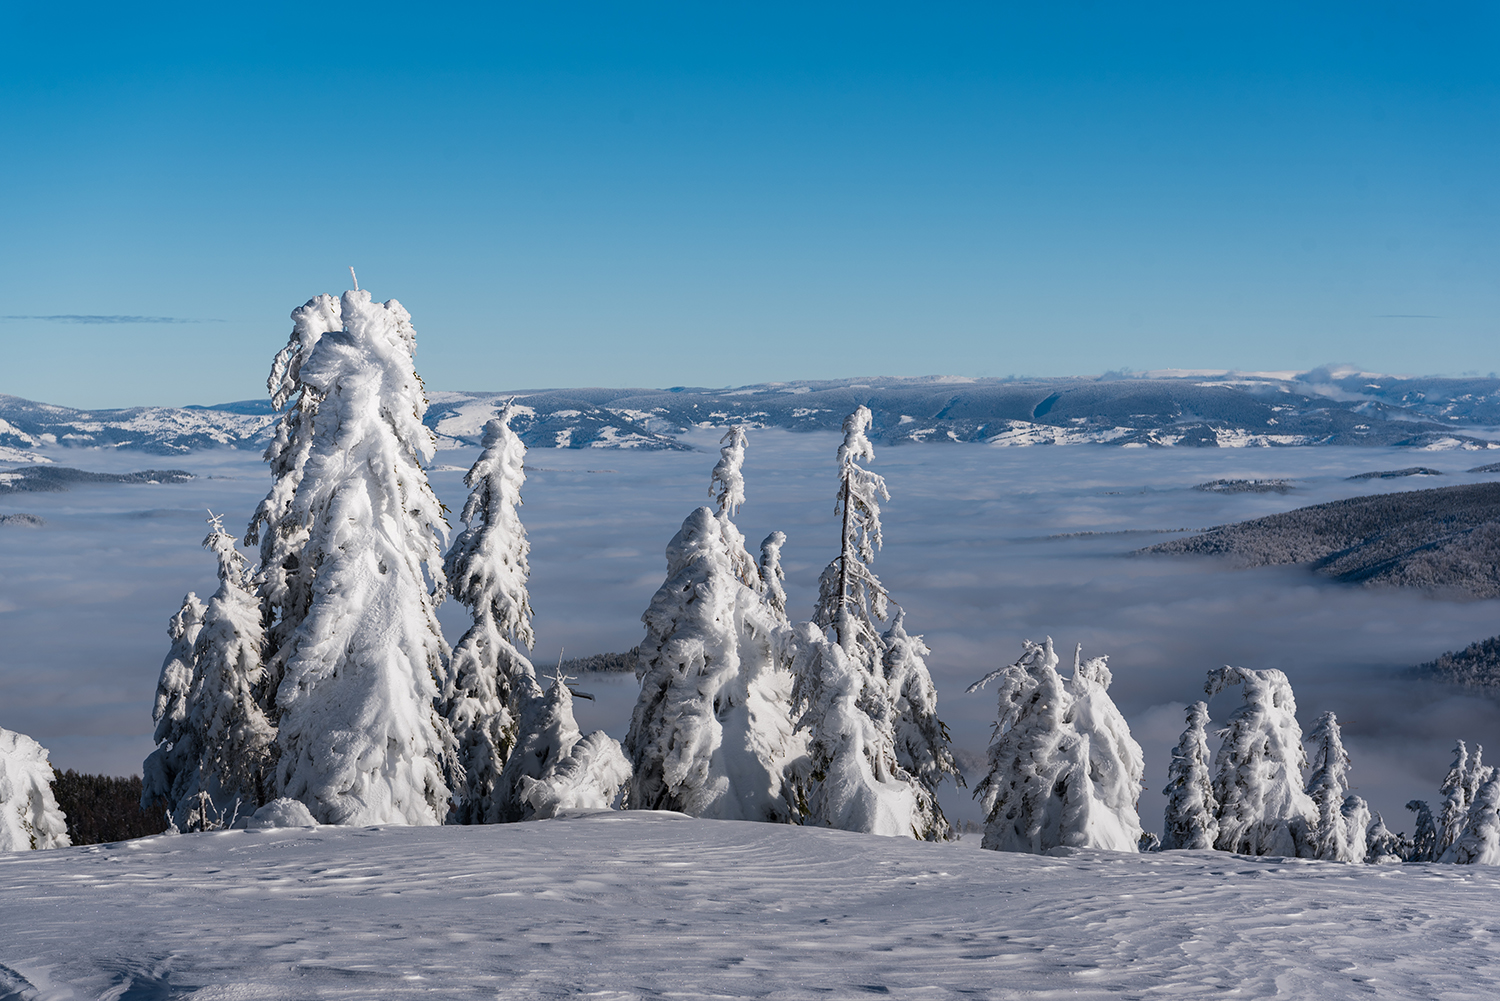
x,y
553,767
772,576
1479,843
876,747
360,741
1424,839
1191,808
1263,808
169,773
1460,786
29,815
1340,832
280,529
1063,768
487,570
231,739
711,734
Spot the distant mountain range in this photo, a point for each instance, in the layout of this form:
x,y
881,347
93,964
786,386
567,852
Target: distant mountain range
x,y
1168,409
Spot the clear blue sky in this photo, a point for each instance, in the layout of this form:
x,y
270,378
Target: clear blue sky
x,y
652,194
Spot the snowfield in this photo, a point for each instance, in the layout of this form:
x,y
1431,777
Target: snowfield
x,y
656,905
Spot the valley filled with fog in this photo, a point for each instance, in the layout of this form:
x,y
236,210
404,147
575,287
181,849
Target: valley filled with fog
x,y
984,546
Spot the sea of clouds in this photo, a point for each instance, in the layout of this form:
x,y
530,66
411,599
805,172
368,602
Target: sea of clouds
x,y
982,550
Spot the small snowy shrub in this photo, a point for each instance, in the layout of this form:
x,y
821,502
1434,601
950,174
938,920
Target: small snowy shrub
x,y
553,766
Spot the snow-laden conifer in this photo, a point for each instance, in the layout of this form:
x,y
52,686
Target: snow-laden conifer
x,y
30,818
360,741
1263,808
1063,768
280,529
232,775
873,696
1357,819
1382,846
553,767
169,771
1191,821
487,570
1461,784
1479,842
772,576
711,734
1333,838
1424,840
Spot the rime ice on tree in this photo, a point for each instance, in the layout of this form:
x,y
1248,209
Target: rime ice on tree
x,y
1460,786
553,767
1341,819
1263,809
1063,768
359,739
1190,820
876,749
29,815
1479,842
168,775
711,733
487,570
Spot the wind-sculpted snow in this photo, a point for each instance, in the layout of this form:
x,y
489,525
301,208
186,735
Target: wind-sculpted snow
x,y
1447,538
640,905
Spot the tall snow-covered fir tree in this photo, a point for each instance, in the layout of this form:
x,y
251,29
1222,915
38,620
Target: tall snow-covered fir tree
x,y
1424,839
553,767
360,741
1063,768
487,570
29,815
876,748
1263,808
711,733
277,527
1190,818
1334,838
169,773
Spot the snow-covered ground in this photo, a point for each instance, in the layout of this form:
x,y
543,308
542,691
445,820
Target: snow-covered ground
x,y
981,549
651,905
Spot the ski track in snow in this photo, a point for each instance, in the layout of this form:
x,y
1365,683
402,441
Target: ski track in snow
x,y
652,905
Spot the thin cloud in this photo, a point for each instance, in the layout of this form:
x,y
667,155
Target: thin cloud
x,y
111,318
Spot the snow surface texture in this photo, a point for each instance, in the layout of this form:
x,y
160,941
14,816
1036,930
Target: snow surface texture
x,y
651,905
29,816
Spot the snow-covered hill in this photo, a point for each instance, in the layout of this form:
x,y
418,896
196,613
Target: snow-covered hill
x,y
1224,410
641,905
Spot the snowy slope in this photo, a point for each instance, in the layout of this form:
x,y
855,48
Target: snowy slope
x,y
656,905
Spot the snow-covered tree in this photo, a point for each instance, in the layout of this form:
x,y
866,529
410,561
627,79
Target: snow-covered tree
x,y
1479,842
772,576
169,773
1263,808
360,741
1333,838
1460,786
866,692
553,767
1424,840
1063,768
1383,846
280,529
711,734
1191,820
232,775
487,570
29,815
1357,820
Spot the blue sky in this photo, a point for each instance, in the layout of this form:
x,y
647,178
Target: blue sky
x,y
653,194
